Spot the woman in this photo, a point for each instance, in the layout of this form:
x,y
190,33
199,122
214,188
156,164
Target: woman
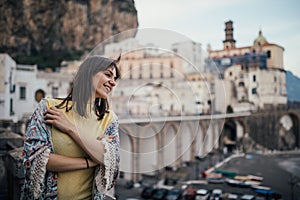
x,y
71,148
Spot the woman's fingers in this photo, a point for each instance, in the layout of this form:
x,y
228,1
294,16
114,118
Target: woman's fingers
x,y
53,111
56,118
92,163
109,138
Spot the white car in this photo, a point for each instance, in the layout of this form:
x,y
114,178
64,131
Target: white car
x,y
202,194
232,196
216,194
248,197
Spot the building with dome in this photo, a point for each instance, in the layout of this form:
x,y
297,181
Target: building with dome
x,y
254,75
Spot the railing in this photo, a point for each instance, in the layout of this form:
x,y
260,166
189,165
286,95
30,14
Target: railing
x,y
132,120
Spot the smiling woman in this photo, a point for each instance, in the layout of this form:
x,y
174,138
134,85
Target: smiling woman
x,y
71,148
103,82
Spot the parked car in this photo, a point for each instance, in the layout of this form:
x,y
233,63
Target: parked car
x,y
129,184
189,194
147,192
248,197
232,196
159,194
174,194
170,181
202,194
216,194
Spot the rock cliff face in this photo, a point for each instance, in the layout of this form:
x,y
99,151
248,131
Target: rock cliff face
x,y
38,30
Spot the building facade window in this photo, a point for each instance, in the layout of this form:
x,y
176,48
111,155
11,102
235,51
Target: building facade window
x,y
161,70
171,70
12,88
11,108
54,92
130,72
254,91
241,84
151,71
171,74
22,92
171,107
171,65
254,78
269,54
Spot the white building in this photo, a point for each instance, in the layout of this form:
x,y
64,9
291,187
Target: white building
x,y
7,87
204,88
153,84
20,85
193,54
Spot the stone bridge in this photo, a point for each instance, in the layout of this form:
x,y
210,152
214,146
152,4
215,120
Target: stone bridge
x,y
148,145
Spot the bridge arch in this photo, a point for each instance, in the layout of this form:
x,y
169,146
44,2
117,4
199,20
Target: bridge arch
x,y
168,145
148,142
208,135
289,133
189,140
199,144
296,129
234,130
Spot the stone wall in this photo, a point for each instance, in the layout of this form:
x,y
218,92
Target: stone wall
x,y
9,159
266,130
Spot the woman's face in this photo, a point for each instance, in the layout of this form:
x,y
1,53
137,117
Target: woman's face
x,y
103,82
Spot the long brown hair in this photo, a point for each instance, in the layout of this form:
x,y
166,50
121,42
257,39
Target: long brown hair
x,y
82,89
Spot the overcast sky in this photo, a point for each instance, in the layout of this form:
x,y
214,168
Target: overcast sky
x,y
203,22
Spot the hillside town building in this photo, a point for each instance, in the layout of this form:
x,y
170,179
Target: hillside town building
x,y
254,76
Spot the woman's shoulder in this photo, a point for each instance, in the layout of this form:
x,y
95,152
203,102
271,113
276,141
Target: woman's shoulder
x,y
52,101
109,117
113,114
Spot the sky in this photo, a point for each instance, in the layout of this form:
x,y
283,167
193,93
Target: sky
x,y
203,21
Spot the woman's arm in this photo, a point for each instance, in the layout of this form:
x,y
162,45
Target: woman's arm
x,y
94,148
59,163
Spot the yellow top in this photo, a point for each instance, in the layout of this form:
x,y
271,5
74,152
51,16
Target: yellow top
x,y
76,184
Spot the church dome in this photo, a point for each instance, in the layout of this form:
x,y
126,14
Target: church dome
x,y
260,40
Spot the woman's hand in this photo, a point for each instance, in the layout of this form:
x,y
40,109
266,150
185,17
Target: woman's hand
x,y
92,163
56,118
108,138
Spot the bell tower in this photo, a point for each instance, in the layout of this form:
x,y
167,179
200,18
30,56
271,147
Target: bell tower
x,y
229,42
